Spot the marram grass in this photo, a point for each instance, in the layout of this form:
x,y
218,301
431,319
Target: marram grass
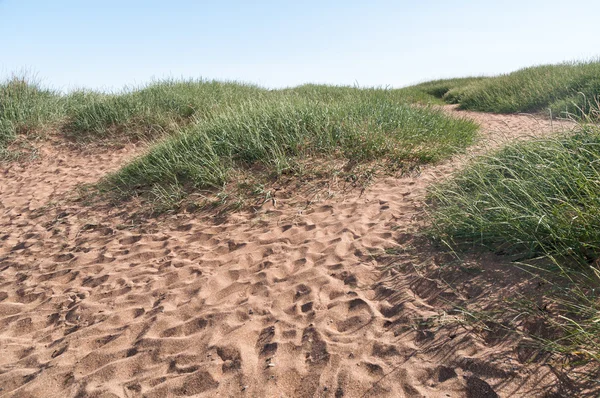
x,y
570,88
535,197
25,107
160,108
274,135
540,201
154,110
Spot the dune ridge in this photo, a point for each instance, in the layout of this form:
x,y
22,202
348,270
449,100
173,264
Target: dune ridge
x,y
291,301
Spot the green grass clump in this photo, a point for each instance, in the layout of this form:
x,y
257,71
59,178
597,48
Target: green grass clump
x,y
566,88
167,106
28,110
274,134
25,108
159,108
439,88
324,93
533,198
539,201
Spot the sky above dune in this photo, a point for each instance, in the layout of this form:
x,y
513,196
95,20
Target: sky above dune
x,y
109,44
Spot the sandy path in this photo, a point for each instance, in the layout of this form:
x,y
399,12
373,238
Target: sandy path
x,y
285,303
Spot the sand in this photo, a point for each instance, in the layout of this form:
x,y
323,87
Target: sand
x,y
289,301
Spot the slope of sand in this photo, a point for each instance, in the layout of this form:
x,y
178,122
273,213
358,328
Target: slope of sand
x,y
289,302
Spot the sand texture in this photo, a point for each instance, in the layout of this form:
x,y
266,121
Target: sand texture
x,y
291,301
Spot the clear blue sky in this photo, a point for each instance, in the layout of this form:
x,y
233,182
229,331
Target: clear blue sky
x,y
112,43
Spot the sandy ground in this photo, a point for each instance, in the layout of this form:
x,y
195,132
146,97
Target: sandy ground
x,y
287,302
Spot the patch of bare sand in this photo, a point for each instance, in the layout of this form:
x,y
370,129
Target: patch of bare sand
x,y
289,302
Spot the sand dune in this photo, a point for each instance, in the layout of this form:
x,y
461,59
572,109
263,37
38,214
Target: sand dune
x,y
288,302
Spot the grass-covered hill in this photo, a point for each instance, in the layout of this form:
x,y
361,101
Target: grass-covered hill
x,y
211,130
164,107
28,109
539,199
160,108
556,90
275,136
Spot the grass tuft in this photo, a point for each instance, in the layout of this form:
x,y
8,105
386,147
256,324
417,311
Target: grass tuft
x,y
272,135
562,89
540,202
532,198
159,108
25,108
440,88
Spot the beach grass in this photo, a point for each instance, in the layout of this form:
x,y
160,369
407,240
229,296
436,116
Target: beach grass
x,y
538,202
569,88
275,134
